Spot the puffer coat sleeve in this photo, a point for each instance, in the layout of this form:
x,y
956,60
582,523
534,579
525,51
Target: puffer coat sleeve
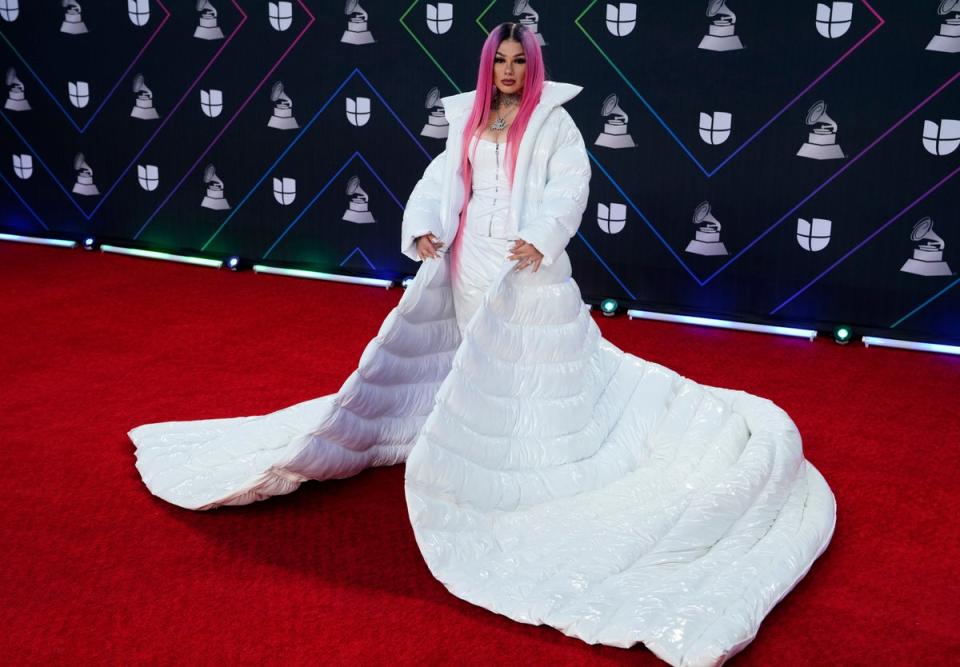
x,y
565,193
422,213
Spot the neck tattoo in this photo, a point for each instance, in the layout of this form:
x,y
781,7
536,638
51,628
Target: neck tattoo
x,y
503,102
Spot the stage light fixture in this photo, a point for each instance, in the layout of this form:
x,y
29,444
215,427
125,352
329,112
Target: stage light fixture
x,y
89,243
609,307
233,263
842,334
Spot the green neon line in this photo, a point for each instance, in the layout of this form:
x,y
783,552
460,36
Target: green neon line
x,y
424,48
597,46
926,303
483,13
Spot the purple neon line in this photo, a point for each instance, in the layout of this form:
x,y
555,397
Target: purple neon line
x,y
66,113
805,90
827,182
169,115
236,114
24,202
869,238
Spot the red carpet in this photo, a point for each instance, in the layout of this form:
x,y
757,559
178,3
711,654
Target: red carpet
x,y
97,571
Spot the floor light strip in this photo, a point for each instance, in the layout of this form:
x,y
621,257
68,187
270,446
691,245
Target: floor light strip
x,y
317,275
16,238
723,324
153,254
910,345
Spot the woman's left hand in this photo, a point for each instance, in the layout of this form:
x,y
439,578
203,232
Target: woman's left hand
x,y
526,255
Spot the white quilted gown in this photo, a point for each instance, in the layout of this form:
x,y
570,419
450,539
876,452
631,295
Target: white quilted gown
x,y
550,477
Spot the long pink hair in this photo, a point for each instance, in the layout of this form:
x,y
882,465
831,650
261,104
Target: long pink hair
x,y
530,97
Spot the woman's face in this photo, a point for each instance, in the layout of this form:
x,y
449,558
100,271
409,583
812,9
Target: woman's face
x,y
509,67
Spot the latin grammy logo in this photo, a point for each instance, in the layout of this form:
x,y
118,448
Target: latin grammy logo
x,y
148,176
23,165
834,20
9,10
813,235
437,126
358,210
439,17
357,32
84,184
284,190
138,11
948,41
280,15
721,35
613,218
821,143
927,257
213,199
207,27
72,18
16,95
528,17
622,18
715,128
707,238
143,103
615,134
941,138
282,118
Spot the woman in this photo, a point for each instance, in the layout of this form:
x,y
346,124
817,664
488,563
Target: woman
x,y
550,477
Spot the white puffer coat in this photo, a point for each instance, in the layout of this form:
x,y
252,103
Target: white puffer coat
x,y
550,186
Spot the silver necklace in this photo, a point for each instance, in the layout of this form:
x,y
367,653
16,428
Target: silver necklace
x,y
503,101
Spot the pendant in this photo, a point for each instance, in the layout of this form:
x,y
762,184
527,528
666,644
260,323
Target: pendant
x,y
498,124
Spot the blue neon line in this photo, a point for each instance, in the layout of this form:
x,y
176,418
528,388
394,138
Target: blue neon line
x,y
380,180
644,218
393,113
926,303
24,202
362,254
605,265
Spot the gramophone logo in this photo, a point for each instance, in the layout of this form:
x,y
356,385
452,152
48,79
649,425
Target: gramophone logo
x,y
615,133
23,165
621,18
437,126
143,102
211,102
528,17
282,118
148,176
139,12
358,111
79,93
707,239
439,17
16,97
284,190
359,210
941,138
357,32
927,257
72,18
948,41
613,218
822,140
281,15
834,20
721,35
813,235
84,184
715,128
208,27
213,199
9,10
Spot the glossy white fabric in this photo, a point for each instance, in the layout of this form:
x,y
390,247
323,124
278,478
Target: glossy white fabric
x,y
488,210
549,477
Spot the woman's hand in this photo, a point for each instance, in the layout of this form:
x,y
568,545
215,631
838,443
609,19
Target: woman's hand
x,y
428,245
526,255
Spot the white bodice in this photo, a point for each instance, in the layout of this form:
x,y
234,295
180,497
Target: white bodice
x,y
487,212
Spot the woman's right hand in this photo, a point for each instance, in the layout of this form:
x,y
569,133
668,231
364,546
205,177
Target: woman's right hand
x,y
428,245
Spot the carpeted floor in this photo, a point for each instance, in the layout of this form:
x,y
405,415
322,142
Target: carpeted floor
x,y
95,570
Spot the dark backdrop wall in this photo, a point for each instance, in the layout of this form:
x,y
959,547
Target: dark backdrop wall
x,y
841,212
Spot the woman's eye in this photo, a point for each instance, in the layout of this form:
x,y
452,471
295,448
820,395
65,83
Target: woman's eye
x,y
498,60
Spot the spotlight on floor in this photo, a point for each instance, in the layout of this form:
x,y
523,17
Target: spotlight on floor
x,y
89,243
233,263
406,282
842,334
609,307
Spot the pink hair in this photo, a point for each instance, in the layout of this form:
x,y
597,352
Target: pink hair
x,y
530,97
